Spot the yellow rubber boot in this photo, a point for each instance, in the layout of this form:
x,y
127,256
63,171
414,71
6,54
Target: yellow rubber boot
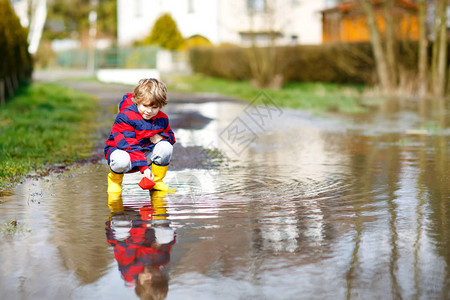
x,y
115,203
114,182
160,173
159,204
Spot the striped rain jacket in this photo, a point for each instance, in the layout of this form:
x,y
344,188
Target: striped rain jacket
x,y
131,132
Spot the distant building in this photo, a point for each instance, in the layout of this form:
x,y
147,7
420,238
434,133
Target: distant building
x,y
227,21
346,22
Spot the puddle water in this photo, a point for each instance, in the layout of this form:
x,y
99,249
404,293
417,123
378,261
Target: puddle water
x,y
301,208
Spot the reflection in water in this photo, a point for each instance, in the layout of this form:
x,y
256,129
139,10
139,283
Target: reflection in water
x,y
354,206
142,240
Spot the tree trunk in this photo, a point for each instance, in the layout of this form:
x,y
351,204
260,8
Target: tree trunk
x,y
436,48
442,61
390,43
423,45
2,92
263,58
375,39
38,9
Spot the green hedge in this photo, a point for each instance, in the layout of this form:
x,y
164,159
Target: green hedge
x,y
225,62
338,63
16,65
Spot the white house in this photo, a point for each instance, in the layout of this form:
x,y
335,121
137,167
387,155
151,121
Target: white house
x,y
227,21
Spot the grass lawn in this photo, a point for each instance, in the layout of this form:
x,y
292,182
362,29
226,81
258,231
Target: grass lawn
x,y
312,96
42,125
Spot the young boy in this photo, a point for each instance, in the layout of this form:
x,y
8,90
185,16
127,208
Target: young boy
x,y
141,136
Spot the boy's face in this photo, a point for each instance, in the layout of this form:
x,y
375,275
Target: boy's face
x,y
147,111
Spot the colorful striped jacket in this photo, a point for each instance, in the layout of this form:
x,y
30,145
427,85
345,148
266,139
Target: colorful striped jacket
x,y
131,132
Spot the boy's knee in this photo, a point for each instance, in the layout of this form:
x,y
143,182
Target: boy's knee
x,y
164,147
162,153
120,162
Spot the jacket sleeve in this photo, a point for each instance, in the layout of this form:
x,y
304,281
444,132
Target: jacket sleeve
x,y
124,136
167,133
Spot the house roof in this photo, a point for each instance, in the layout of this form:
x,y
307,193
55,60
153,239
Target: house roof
x,y
349,6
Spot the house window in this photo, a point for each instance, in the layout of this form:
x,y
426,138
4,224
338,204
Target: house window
x,y
262,38
191,6
256,6
294,39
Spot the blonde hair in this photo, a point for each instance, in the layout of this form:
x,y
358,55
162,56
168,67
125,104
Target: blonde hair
x,y
150,91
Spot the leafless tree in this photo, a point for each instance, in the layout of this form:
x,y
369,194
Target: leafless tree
x,y
423,54
439,54
381,60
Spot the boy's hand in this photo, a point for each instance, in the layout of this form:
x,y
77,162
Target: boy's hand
x,y
148,174
156,138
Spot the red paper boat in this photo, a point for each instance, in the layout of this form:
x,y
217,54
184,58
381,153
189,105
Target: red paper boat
x,y
146,184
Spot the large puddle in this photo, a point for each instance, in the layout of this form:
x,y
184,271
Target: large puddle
x,y
300,208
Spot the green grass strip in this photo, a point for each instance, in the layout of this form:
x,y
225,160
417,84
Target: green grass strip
x,y
312,96
44,124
